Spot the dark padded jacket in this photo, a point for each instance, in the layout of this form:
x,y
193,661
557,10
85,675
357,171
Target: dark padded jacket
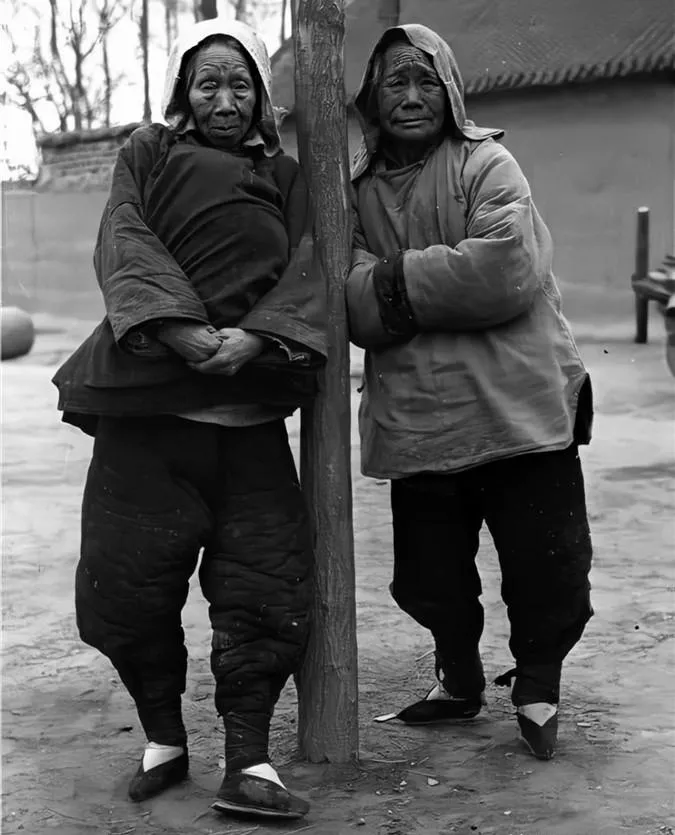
x,y
194,233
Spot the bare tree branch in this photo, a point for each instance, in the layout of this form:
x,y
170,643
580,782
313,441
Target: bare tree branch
x,y
60,75
170,22
68,71
107,20
19,79
104,29
54,92
20,82
205,9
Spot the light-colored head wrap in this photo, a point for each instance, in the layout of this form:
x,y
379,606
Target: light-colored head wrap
x,y
188,40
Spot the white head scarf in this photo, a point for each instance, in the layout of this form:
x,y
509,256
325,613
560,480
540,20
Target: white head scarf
x,y
190,38
445,64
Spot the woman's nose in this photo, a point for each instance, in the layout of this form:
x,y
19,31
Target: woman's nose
x,y
225,101
413,97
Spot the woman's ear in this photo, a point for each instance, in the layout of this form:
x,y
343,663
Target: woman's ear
x,y
280,114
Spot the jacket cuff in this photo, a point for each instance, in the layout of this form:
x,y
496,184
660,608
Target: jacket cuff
x,y
291,350
142,343
394,305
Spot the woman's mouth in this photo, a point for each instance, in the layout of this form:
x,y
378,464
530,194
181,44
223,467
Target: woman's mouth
x,y
412,123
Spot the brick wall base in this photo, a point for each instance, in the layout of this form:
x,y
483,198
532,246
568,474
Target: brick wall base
x,y
80,160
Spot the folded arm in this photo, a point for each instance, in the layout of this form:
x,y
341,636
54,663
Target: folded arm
x,y
148,298
488,279
292,315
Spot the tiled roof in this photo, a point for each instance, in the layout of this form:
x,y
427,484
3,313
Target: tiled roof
x,y
504,44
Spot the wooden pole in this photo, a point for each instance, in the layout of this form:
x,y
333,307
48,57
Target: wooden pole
x,y
147,110
389,12
641,270
327,683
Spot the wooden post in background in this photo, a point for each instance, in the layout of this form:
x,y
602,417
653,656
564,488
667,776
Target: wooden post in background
x,y
328,682
641,270
389,12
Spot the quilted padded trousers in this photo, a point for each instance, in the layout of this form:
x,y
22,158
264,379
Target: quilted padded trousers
x,y
158,491
535,509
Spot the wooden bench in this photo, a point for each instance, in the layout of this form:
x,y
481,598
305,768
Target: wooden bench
x,y
653,286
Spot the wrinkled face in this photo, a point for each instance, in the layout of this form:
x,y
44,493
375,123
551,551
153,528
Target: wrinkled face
x,y
222,94
411,98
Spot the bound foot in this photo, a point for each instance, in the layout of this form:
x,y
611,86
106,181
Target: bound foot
x,y
439,706
258,790
538,725
162,766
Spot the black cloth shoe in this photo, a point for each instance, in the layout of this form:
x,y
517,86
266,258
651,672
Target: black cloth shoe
x,y
147,784
429,711
249,795
540,739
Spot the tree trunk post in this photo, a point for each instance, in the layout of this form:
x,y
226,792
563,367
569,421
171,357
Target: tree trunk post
x,y
282,33
206,9
144,29
327,683
241,11
641,270
389,12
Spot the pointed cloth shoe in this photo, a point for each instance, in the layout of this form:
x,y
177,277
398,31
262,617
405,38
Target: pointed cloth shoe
x,y
246,794
438,706
147,784
540,739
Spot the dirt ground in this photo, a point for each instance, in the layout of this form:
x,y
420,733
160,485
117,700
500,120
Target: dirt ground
x,y
71,739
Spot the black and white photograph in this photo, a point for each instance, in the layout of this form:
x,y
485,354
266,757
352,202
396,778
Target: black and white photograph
x,y
338,417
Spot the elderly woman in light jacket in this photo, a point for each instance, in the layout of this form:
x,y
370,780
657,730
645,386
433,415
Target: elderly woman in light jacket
x,y
475,397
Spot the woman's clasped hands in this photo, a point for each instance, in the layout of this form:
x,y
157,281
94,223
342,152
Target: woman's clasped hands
x,y
237,347
212,351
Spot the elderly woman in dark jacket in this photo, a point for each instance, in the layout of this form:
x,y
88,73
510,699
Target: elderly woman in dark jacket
x,y
213,334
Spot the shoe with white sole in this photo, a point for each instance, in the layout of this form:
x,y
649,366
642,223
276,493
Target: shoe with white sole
x,y
538,725
439,706
154,781
246,794
538,721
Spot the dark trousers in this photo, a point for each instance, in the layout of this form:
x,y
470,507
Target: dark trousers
x,y
535,509
158,491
